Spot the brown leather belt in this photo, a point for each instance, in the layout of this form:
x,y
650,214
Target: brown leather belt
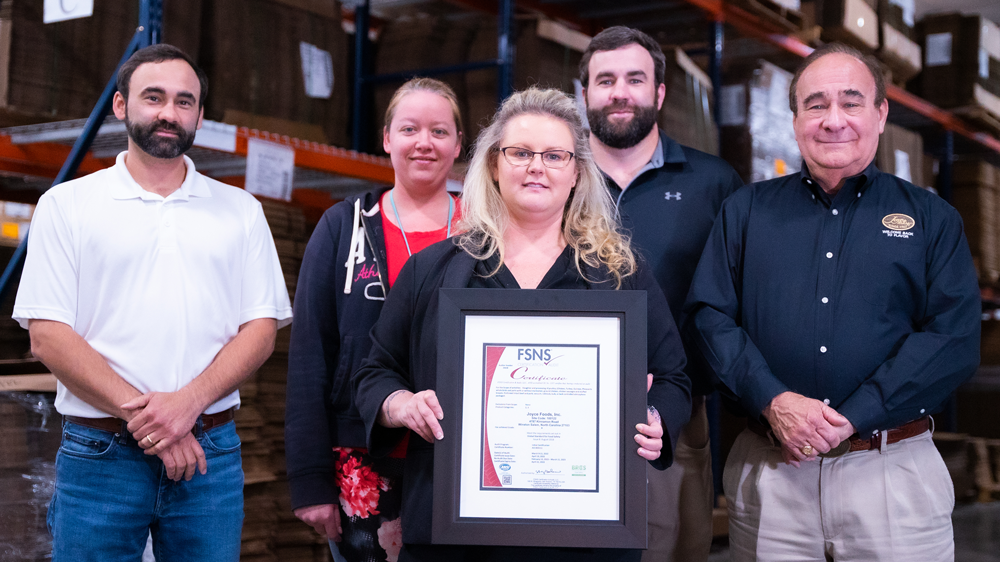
x,y
857,443
115,425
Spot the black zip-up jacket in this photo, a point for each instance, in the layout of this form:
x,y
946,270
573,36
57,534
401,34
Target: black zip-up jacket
x,y
404,356
337,300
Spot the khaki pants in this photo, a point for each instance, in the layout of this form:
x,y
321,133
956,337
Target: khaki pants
x,y
867,506
680,498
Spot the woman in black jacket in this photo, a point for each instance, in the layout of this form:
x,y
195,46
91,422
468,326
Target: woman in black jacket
x,y
352,259
536,216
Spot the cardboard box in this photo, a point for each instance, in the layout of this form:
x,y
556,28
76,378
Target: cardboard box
x,y
262,57
976,196
58,70
897,48
961,62
901,152
853,22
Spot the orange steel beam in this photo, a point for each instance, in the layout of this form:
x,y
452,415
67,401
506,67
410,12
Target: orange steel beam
x,y
324,157
751,25
43,159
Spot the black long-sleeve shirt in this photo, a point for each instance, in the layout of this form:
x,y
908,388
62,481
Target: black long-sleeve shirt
x,y
868,299
668,210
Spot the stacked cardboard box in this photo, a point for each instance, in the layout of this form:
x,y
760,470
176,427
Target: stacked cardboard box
x,y
58,70
539,61
756,122
976,195
854,22
254,59
961,63
786,14
901,152
270,530
898,49
423,41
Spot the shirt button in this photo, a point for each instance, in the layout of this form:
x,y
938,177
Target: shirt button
x,y
824,300
822,349
829,254
922,410
836,212
826,401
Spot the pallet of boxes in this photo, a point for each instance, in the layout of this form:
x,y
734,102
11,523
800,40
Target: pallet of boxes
x,y
271,532
961,67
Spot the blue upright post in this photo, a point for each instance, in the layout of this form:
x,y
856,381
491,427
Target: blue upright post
x,y
505,50
150,12
359,125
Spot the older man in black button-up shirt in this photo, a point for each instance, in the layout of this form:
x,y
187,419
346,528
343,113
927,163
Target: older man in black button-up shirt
x,y
839,306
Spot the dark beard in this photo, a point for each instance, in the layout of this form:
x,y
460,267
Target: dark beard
x,y
624,135
144,137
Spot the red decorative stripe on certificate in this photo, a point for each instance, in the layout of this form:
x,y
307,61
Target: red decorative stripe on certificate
x,y
490,478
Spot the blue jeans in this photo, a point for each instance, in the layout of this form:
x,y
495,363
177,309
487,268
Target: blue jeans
x,y
110,495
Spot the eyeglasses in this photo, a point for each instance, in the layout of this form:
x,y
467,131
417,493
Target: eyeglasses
x,y
517,156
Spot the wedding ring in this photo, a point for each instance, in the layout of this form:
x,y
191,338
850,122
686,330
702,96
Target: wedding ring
x,y
807,450
151,441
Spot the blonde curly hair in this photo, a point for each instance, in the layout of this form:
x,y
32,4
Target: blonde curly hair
x,y
589,223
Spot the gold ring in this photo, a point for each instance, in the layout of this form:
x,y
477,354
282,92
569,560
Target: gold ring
x,y
807,450
151,441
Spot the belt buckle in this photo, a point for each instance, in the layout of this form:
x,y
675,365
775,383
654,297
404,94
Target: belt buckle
x,y
837,451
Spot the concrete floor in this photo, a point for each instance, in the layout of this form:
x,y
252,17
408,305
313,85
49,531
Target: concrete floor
x,y
977,534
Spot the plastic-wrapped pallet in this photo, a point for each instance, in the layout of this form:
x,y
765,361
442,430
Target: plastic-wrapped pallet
x,y
758,139
686,114
29,438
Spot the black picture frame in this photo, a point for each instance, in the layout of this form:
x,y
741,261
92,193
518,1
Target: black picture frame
x,y
448,527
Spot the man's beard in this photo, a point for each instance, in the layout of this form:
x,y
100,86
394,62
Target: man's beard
x,y
626,134
159,147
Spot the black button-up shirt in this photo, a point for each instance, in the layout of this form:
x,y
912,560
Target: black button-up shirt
x,y
867,300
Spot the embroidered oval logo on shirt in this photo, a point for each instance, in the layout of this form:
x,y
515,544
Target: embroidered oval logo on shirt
x,y
898,221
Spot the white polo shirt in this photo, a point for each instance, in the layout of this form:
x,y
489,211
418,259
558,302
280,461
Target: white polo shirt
x,y
156,285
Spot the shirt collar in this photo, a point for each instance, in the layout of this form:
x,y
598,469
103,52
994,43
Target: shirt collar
x,y
856,185
126,187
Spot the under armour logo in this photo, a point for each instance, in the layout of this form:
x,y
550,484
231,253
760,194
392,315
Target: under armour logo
x,y
670,196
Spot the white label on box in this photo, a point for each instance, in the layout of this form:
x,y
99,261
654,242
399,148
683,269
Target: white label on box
x,y
18,210
938,49
61,10
317,71
908,10
733,105
270,168
903,165
984,64
217,136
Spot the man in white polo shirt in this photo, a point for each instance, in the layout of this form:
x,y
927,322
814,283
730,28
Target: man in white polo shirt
x,y
151,292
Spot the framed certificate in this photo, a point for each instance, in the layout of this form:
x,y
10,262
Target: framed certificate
x,y
541,391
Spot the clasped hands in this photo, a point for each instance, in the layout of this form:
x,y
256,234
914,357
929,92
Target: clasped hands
x,y
422,413
805,426
161,422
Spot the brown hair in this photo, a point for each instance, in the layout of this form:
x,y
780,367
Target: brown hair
x,y
160,52
620,36
873,66
426,85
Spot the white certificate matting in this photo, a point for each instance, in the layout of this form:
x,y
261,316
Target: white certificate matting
x,y
537,399
541,417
